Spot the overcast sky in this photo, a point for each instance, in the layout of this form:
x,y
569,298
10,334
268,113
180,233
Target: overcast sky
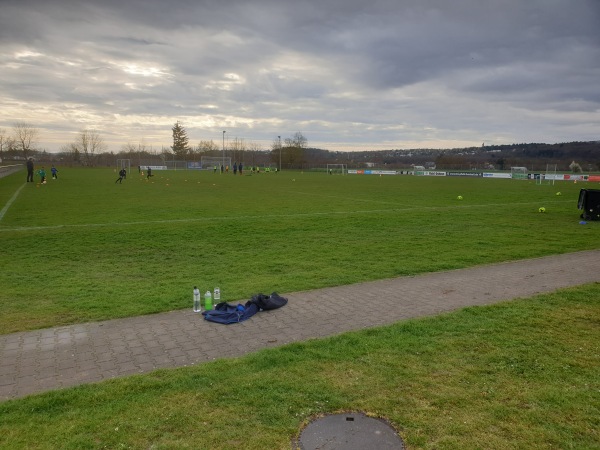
x,y
347,74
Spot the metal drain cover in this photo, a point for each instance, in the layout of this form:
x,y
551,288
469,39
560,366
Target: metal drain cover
x,y
349,431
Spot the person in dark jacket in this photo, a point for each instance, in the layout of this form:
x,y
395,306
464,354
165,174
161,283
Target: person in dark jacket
x,y
30,170
122,174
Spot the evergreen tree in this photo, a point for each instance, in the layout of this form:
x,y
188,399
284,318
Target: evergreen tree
x,y
180,141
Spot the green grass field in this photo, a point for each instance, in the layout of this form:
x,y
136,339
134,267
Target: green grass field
x,y
517,375
520,374
83,248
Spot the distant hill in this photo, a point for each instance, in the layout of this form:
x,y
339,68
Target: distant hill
x,y
534,156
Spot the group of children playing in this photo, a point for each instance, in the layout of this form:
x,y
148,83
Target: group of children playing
x,y
42,173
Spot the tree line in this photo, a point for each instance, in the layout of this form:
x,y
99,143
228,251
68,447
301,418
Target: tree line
x,y
89,149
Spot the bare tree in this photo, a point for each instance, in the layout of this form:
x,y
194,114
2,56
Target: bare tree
x,y
5,143
293,152
129,148
254,148
72,151
298,140
209,148
166,154
25,136
139,150
238,145
89,144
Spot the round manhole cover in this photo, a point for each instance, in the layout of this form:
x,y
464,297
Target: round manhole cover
x,y
349,431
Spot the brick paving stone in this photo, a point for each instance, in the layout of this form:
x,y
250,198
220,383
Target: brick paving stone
x,y
146,367
110,373
161,360
7,379
53,358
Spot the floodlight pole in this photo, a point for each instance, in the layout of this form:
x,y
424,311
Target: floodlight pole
x,y
279,153
223,162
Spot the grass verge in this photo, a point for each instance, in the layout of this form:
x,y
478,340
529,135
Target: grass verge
x,y
520,374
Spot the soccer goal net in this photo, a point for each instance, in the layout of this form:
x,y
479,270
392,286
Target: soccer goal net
x,y
518,173
548,177
124,164
337,169
419,170
211,162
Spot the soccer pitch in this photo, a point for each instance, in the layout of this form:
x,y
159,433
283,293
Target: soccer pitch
x,y
82,248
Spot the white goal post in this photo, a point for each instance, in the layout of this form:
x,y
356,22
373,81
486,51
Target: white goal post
x,y
210,162
124,164
518,173
337,169
548,177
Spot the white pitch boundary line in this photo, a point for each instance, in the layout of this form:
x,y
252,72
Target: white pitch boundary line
x,y
265,216
10,202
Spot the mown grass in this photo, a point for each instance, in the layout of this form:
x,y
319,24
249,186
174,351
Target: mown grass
x,y
83,248
520,374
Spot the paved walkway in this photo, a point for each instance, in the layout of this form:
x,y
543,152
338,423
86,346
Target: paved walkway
x,y
42,360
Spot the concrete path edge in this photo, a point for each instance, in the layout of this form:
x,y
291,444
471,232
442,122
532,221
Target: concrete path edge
x,y
42,360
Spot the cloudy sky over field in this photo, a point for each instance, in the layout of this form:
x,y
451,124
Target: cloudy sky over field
x,y
348,74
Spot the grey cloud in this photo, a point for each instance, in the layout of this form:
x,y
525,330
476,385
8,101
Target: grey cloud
x,y
346,70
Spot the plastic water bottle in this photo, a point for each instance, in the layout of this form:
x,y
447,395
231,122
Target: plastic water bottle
x,y
208,305
197,299
217,295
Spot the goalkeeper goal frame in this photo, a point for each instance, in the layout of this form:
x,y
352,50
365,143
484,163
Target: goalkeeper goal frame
x,y
337,169
519,173
124,164
210,162
547,177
